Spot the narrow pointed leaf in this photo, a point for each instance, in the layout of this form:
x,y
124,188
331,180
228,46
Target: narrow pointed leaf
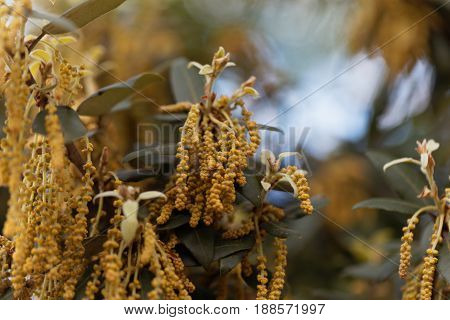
x,y
370,271
200,243
186,84
82,14
228,263
129,104
388,204
187,257
404,179
269,128
177,220
226,247
278,229
71,124
106,99
154,154
169,117
54,20
252,190
135,175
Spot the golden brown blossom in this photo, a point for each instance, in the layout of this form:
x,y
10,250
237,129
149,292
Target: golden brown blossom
x,y
55,138
17,102
411,289
429,268
277,282
213,151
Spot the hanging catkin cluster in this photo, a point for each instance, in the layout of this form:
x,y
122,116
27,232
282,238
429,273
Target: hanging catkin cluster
x,y
17,103
132,248
49,254
213,151
46,219
423,286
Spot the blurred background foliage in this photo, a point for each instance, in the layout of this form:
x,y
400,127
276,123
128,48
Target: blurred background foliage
x,y
341,77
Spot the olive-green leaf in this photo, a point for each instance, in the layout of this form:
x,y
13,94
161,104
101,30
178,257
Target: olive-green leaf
x,y
145,279
269,128
107,98
226,247
200,243
186,256
405,179
153,154
177,220
129,104
370,271
82,14
278,229
2,117
187,84
444,261
388,204
93,245
252,190
228,263
71,125
135,175
55,20
169,117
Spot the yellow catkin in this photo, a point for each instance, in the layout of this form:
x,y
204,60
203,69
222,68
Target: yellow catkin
x,y
183,167
172,285
181,272
177,263
277,282
247,227
271,213
111,260
24,242
148,248
411,289
429,268
405,248
32,202
68,84
301,182
261,288
6,252
55,138
431,260
16,94
246,267
158,279
74,253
